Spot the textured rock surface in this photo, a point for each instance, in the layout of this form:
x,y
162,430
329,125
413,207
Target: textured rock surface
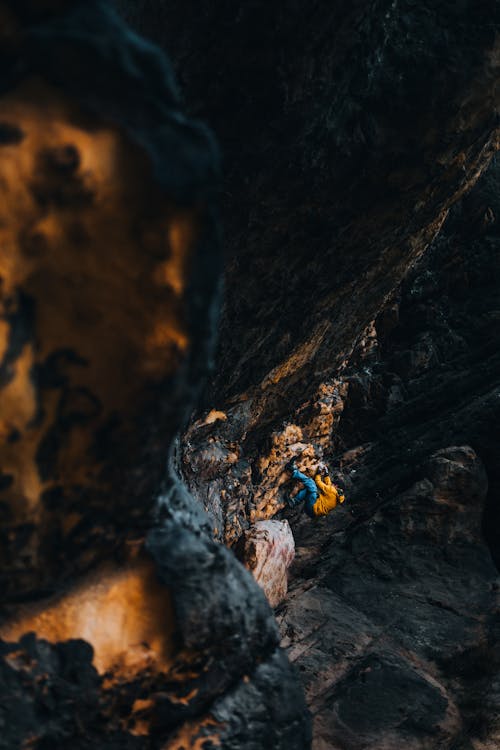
x,y
341,162
145,632
208,689
267,549
426,373
410,549
396,630
99,213
346,142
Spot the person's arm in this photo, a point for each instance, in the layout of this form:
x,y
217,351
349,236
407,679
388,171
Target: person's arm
x,y
319,482
340,493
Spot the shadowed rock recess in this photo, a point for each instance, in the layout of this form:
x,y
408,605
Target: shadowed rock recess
x,y
360,327
123,625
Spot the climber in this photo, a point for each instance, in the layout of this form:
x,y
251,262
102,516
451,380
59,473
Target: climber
x,y
319,494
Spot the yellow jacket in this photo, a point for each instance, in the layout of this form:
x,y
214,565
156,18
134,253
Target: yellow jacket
x,y
328,498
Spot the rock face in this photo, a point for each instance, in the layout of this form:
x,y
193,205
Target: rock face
x,y
342,165
209,691
267,549
395,630
347,145
100,210
122,623
368,158
413,547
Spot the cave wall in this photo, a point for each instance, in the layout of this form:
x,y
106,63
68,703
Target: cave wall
x,y
333,104
101,209
122,624
393,603
345,140
342,163
359,327
409,565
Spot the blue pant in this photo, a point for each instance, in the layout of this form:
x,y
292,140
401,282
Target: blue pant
x,y
309,493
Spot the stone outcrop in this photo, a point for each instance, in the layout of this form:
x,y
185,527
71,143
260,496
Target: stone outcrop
x,y
101,209
372,140
342,164
122,624
267,549
426,373
393,623
369,157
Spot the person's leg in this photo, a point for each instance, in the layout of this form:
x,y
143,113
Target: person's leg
x,y
309,503
294,501
309,493
309,484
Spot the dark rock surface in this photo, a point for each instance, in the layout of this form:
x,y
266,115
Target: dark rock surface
x,y
429,374
340,159
342,164
408,563
407,566
394,621
349,130
123,625
103,215
345,141
415,551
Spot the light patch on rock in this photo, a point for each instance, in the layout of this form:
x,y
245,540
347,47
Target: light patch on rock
x,y
214,416
267,550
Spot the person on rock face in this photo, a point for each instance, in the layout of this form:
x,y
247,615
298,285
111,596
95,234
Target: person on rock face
x,y
320,496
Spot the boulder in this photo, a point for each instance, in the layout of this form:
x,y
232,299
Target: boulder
x,y
267,549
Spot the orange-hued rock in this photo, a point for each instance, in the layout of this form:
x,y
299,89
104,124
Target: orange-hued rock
x,y
344,154
124,613
109,271
109,284
87,237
